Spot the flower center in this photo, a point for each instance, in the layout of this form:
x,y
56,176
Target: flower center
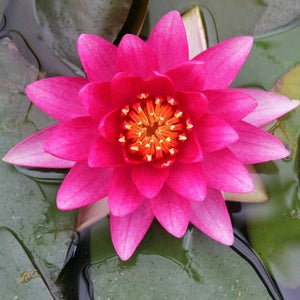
x,y
153,129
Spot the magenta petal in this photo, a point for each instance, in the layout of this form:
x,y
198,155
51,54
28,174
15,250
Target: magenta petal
x,y
224,60
58,96
96,98
171,210
98,57
110,126
82,186
30,153
105,154
128,231
188,181
189,76
125,88
169,41
190,150
214,133
72,139
229,105
159,84
148,179
256,145
223,171
212,218
136,57
270,106
123,197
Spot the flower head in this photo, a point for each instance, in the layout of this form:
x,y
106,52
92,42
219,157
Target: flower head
x,y
161,134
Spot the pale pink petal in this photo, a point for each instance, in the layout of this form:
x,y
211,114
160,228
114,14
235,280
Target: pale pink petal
x,y
229,105
96,98
148,179
159,85
214,133
190,150
256,145
58,96
169,41
125,88
97,56
171,210
224,60
212,218
128,231
223,171
136,57
188,76
30,153
82,186
188,181
110,126
72,139
104,154
270,106
123,196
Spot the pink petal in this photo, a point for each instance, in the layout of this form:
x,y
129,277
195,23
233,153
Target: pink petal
x,y
96,98
58,96
104,154
229,105
190,150
148,179
214,133
136,57
72,139
82,186
159,85
189,76
224,60
212,218
171,210
98,57
270,106
128,231
169,41
30,153
194,104
188,181
256,145
125,88
223,171
123,197
110,126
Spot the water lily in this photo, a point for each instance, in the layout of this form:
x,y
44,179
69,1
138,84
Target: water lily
x,y
160,134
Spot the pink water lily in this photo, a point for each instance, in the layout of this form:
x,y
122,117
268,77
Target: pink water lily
x,y
160,134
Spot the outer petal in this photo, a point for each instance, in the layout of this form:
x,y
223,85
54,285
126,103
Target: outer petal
x,y
188,181
58,96
30,153
82,186
128,231
149,180
189,76
136,57
172,211
123,196
223,171
256,145
214,133
96,98
72,139
110,126
98,57
224,60
169,41
229,105
212,218
104,154
270,106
